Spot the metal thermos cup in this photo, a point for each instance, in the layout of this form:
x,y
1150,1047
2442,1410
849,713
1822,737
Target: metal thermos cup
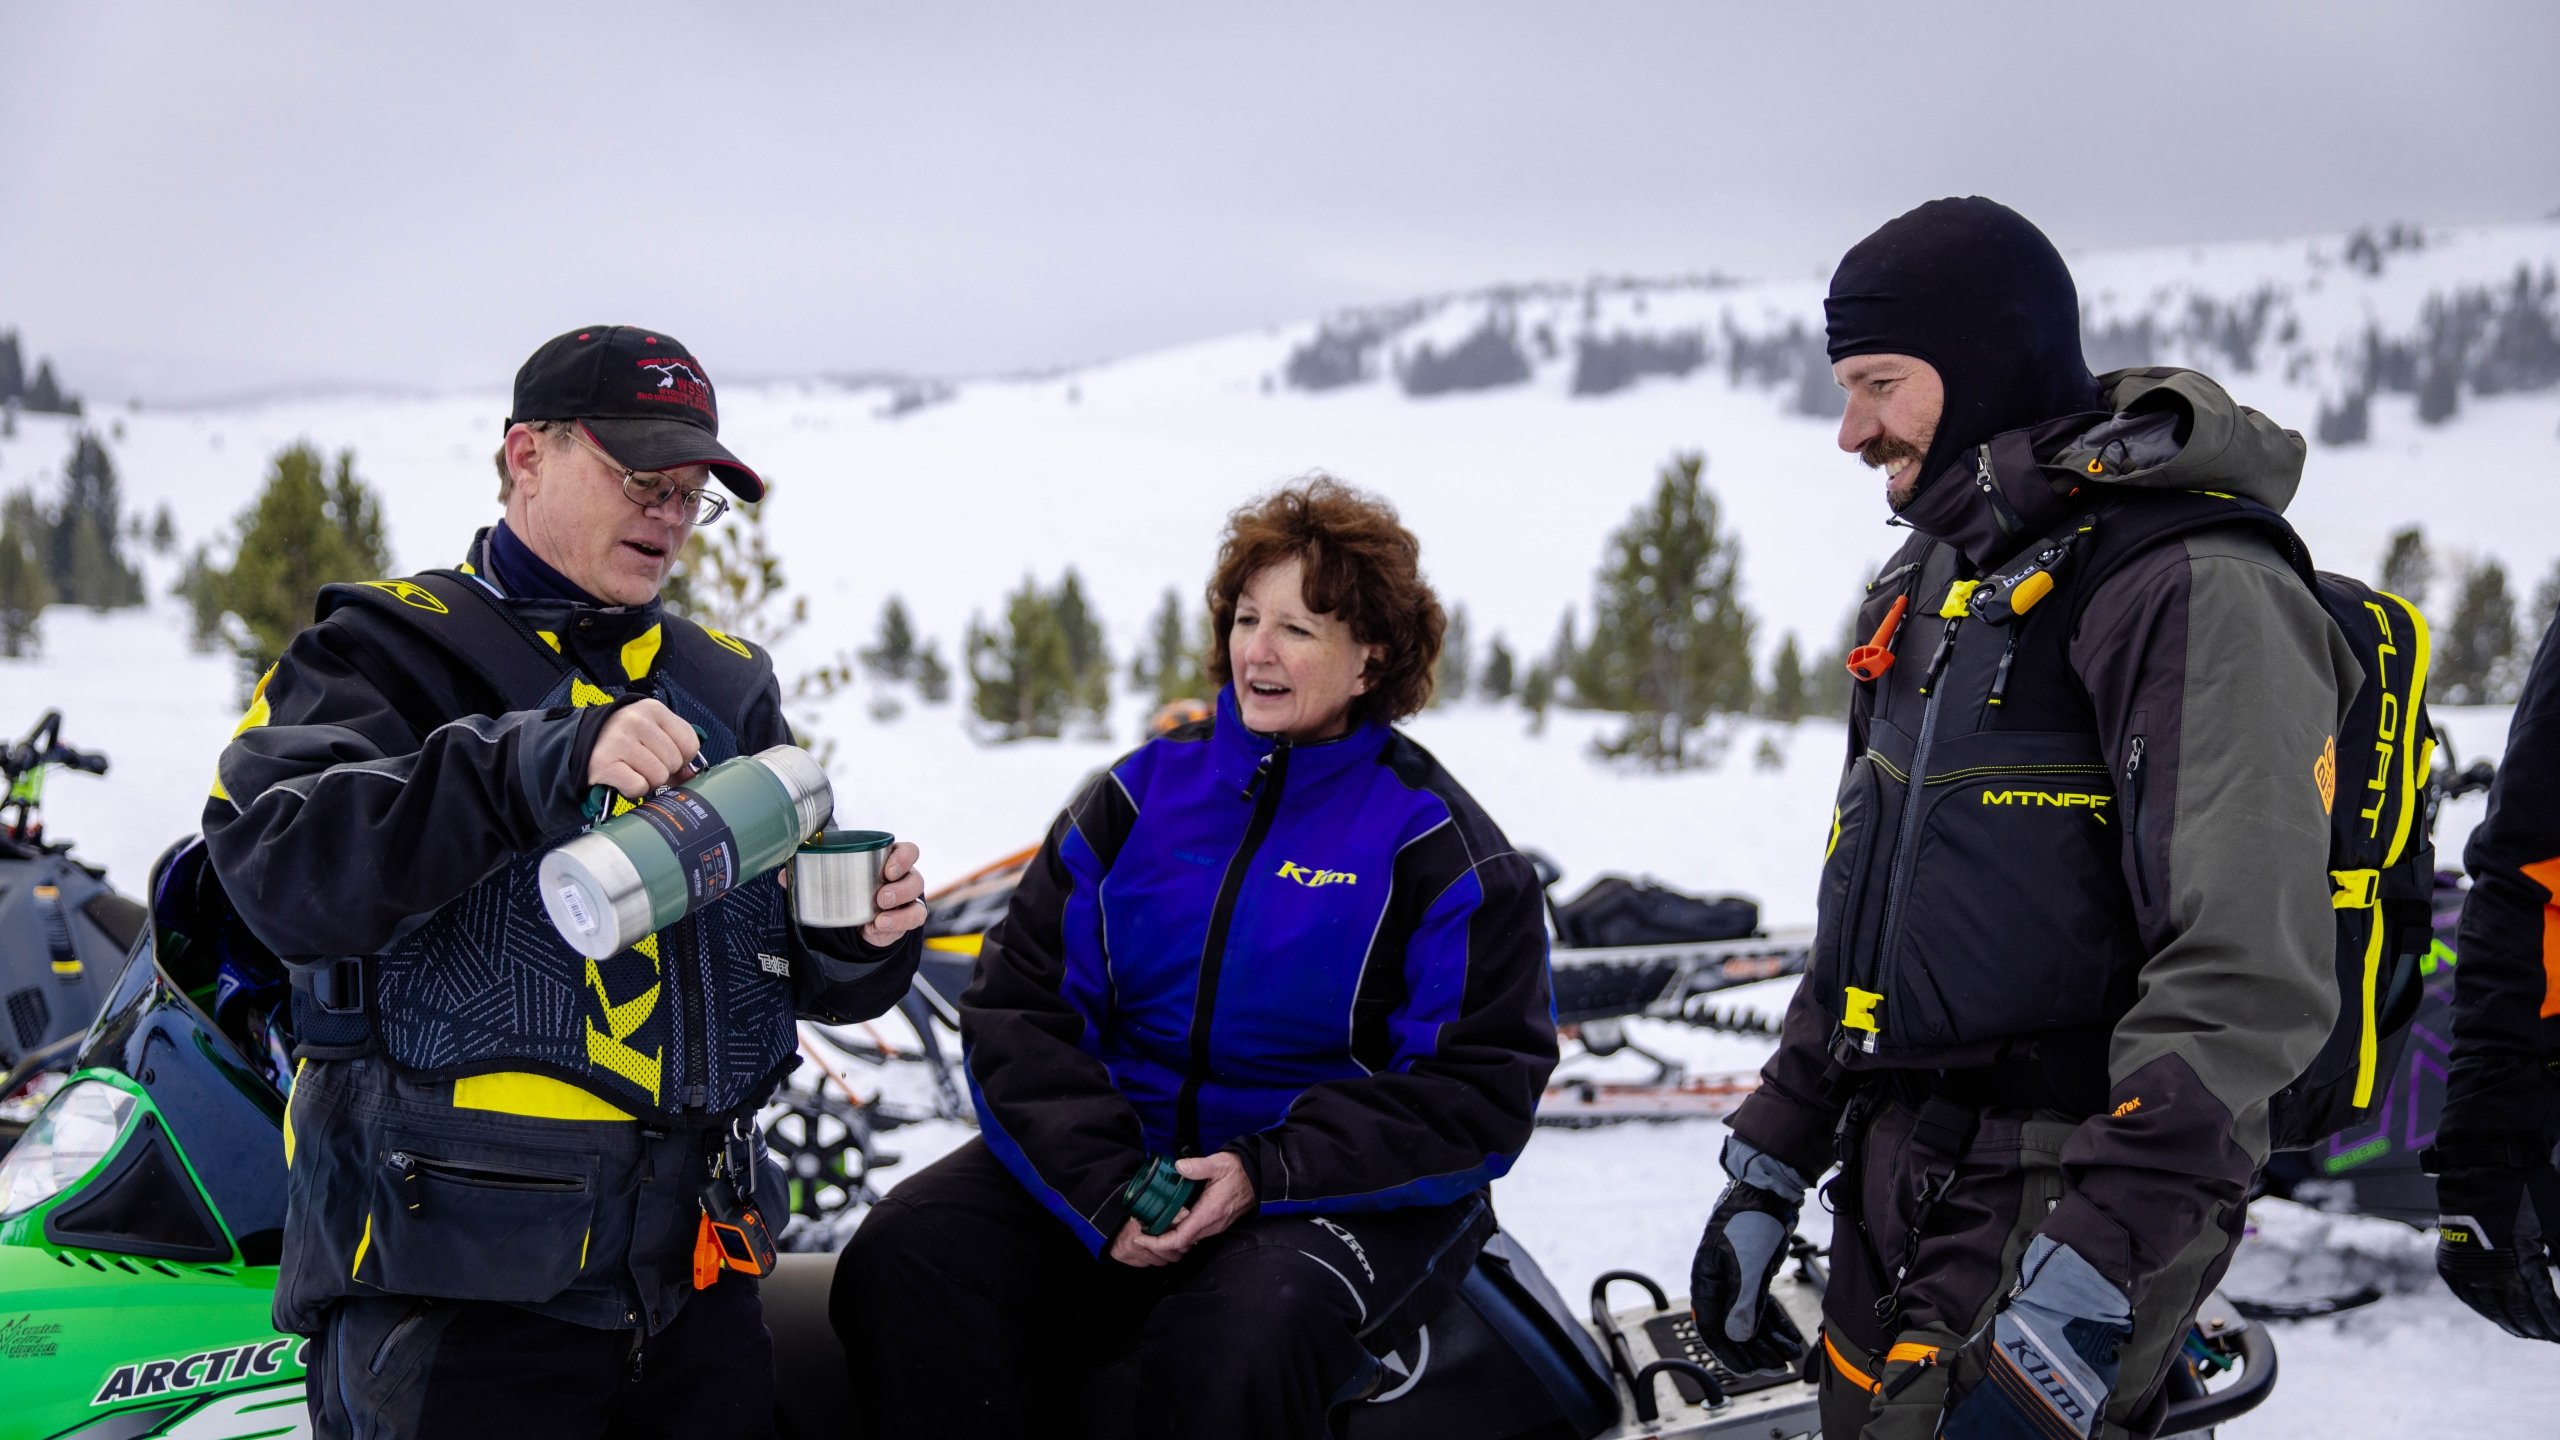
x,y
682,848
835,879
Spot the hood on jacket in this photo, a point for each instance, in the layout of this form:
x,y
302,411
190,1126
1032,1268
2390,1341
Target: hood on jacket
x,y
2164,429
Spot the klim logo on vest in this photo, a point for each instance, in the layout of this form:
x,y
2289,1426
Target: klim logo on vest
x,y
2096,805
1292,870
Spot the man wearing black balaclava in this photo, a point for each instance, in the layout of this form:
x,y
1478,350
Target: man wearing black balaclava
x,y
2074,929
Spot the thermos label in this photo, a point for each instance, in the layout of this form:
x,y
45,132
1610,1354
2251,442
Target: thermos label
x,y
705,852
575,903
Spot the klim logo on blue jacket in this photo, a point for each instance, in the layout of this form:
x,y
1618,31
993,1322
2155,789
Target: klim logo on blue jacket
x,y
1292,870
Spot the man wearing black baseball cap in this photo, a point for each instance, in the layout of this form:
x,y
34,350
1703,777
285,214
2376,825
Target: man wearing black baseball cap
x,y
498,1150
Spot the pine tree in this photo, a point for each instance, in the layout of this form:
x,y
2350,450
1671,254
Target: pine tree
x,y
1670,638
2472,650
1564,653
728,578
357,512
44,396
1457,666
1168,667
200,584
2439,391
164,531
1789,698
24,590
892,654
1088,659
2407,568
13,368
1021,674
2545,613
1537,692
933,677
305,530
1829,684
1499,670
86,561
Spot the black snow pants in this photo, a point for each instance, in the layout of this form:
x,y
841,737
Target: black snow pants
x,y
968,1310
1947,1198
398,1368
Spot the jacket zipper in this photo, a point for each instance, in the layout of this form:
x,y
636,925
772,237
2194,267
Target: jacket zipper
x,y
2001,509
2133,818
412,1168
697,981
1264,791
1899,873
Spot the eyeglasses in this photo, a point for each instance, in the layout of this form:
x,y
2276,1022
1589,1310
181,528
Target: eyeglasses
x,y
651,488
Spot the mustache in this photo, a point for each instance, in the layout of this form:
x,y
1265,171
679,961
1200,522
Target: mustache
x,y
1885,451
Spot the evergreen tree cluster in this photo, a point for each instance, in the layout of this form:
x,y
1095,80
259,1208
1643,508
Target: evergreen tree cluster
x,y
2481,645
38,393
1488,358
1172,665
1603,365
1042,665
313,524
71,552
2484,339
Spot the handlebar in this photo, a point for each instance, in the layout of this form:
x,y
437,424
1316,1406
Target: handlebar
x,y
43,746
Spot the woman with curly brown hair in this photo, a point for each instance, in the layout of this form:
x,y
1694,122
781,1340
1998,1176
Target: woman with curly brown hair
x,y
1267,1014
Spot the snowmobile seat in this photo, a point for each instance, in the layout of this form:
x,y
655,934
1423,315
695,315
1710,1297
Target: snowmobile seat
x,y
1506,1360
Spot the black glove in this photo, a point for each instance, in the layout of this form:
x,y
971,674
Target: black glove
x,y
2490,1245
1746,1239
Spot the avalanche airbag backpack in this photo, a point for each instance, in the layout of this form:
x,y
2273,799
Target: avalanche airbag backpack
x,y
2381,818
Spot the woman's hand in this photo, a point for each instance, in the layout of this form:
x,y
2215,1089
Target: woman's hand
x,y
1226,1196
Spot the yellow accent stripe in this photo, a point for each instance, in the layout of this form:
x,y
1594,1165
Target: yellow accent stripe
x,y
2368,1043
549,639
259,713
2410,775
362,1245
1849,1372
957,944
1835,834
582,694
517,1092
288,1109
583,1242
640,654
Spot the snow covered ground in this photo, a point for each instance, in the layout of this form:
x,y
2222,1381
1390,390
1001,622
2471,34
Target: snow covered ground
x,y
1125,470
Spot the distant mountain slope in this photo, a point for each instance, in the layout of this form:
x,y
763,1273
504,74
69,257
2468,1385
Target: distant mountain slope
x,y
1514,426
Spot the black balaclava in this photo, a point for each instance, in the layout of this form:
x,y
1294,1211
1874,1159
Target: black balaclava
x,y
1969,286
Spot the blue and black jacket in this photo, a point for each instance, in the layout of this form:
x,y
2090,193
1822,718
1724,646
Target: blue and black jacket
x,y
1324,959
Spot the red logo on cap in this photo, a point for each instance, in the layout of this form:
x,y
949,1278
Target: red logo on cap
x,y
678,384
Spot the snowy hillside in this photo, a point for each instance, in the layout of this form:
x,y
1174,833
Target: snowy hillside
x,y
949,495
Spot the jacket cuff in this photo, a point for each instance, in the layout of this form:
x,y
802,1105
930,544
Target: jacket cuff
x,y
1265,1169
1796,1136
2107,1247
553,751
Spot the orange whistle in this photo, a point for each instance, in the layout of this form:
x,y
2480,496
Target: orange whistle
x,y
1872,659
706,1256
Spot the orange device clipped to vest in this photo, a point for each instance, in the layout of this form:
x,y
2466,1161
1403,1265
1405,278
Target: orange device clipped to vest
x,y
1871,660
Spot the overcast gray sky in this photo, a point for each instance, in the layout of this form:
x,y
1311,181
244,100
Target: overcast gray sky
x,y
195,192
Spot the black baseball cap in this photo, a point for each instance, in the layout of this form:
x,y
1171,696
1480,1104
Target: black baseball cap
x,y
639,393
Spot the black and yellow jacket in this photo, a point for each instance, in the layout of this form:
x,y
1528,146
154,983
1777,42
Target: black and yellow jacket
x,y
386,798
2080,852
